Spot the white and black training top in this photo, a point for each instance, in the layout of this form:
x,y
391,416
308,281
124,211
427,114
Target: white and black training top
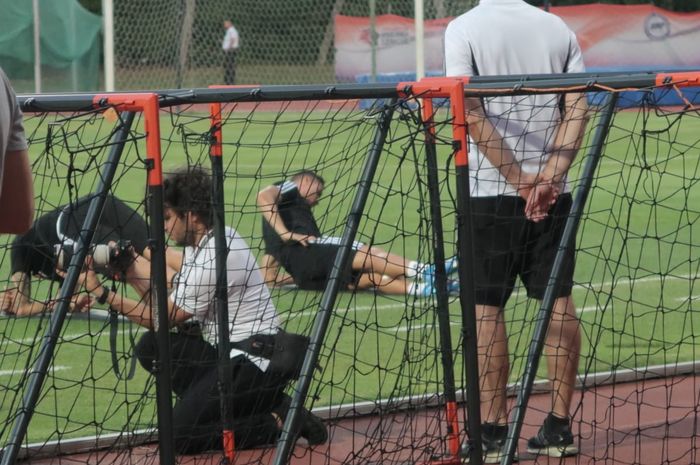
x,y
507,37
250,308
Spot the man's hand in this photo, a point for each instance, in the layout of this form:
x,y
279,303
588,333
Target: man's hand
x,y
87,279
7,300
525,184
79,303
541,197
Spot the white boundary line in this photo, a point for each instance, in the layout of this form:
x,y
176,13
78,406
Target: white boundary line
x,y
23,371
518,293
30,340
141,436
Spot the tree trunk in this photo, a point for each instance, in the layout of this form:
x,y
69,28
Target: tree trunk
x,y
327,41
185,39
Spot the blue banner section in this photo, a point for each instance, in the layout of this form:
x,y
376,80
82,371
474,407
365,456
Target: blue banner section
x,y
628,99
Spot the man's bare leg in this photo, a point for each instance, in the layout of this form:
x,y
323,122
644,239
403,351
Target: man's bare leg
x,y
492,342
374,260
273,273
562,348
383,283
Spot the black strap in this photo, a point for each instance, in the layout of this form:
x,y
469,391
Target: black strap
x,y
475,67
113,331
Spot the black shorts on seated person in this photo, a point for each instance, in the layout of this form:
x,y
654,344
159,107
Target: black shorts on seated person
x,y
311,266
507,246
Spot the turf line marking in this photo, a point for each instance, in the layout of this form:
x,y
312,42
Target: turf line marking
x,y
519,292
402,329
29,340
361,308
587,309
13,372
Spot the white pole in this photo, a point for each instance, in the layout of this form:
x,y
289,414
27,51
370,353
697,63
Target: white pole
x,y
420,40
108,43
37,47
373,39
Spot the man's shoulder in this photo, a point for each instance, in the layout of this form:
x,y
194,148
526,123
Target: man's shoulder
x,y
286,186
466,17
289,192
488,12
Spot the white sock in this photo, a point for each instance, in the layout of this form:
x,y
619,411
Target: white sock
x,y
413,268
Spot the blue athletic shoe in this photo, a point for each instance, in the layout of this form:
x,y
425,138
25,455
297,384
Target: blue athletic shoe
x,y
453,287
451,265
428,272
424,289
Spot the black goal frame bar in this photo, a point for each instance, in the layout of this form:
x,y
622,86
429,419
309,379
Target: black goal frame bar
x,y
429,87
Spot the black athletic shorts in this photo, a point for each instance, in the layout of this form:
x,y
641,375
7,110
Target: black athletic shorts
x,y
311,266
507,245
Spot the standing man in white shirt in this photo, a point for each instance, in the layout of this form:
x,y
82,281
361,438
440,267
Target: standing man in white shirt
x,y
259,404
521,148
230,46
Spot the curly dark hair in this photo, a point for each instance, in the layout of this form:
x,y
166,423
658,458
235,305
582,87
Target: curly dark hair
x,y
188,189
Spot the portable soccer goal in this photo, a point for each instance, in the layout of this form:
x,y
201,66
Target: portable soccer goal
x,y
392,364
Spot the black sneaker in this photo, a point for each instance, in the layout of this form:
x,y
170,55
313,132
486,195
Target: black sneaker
x,y
553,439
310,427
493,439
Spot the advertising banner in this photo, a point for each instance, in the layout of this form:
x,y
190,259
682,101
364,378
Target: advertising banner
x,y
612,37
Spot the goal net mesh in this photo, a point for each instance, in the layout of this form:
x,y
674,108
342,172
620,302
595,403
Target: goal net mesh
x,y
380,382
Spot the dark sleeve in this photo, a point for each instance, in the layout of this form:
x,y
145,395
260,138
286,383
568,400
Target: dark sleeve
x,y
30,255
288,193
119,221
19,254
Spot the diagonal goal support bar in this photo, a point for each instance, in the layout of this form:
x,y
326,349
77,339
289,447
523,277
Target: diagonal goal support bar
x,y
567,242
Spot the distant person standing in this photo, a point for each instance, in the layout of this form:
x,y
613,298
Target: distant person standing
x,y
230,47
16,188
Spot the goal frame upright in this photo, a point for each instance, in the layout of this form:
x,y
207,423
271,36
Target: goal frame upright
x,y
146,103
455,89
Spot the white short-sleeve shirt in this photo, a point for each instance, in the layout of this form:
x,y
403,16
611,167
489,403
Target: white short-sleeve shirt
x,y
231,39
250,308
507,37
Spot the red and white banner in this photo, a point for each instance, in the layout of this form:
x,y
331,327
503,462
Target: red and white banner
x,y
396,45
611,37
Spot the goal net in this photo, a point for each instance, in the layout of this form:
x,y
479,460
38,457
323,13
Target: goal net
x,y
385,367
164,44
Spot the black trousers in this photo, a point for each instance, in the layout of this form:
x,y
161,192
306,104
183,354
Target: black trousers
x,y
229,67
197,418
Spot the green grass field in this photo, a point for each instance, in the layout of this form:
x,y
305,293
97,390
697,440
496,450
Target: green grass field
x,y
636,268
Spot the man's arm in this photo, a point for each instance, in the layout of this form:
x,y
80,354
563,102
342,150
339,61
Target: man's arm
x,y
140,312
273,273
17,196
567,139
16,300
268,200
567,142
492,145
173,262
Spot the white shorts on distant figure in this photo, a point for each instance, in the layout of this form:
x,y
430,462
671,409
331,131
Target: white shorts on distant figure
x,y
333,240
